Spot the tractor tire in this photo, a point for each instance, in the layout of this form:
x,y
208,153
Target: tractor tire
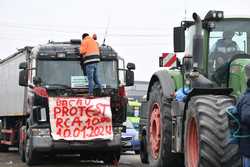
x,y
206,138
159,131
31,156
143,150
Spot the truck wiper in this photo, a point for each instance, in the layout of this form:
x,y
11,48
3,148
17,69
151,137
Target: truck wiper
x,y
57,86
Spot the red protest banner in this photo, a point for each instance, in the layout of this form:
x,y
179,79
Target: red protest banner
x,y
80,118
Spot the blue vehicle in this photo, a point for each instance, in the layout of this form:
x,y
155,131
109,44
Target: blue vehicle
x,y
130,139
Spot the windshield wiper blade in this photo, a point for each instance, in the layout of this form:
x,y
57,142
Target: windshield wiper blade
x,y
56,86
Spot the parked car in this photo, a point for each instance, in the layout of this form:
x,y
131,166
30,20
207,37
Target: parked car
x,y
130,139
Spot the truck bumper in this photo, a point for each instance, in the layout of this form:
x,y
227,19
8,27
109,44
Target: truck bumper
x,y
46,144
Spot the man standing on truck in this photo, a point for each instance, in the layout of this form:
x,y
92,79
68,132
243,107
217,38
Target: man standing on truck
x,y
243,108
89,50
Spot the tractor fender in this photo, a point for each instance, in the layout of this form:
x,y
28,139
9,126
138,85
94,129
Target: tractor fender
x,y
166,82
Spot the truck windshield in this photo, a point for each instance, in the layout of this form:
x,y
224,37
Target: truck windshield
x,y
65,72
228,38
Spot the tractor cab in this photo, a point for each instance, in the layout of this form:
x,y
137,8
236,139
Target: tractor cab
x,y
218,48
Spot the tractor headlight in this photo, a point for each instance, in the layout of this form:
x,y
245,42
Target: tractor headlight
x,y
220,15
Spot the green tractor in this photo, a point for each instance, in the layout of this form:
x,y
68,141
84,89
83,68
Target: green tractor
x,y
186,120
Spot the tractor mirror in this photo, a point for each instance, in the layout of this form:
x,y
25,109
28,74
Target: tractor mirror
x,y
179,39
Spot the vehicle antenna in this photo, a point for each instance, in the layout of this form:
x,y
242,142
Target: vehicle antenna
x,y
106,31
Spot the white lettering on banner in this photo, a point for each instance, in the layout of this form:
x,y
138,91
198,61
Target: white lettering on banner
x,y
80,118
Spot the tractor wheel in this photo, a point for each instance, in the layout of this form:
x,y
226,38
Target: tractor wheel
x,y
143,150
206,141
159,135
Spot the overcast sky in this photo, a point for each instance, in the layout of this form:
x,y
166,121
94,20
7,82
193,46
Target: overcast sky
x,y
139,30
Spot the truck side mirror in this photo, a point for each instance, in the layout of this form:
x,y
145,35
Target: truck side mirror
x,y
23,78
131,66
179,39
23,65
129,78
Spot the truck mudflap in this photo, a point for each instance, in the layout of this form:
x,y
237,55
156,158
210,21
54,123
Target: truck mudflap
x,y
46,144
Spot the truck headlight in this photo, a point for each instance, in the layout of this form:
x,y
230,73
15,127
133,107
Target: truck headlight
x,y
40,131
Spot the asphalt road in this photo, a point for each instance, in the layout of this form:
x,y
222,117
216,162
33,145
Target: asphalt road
x,y
12,159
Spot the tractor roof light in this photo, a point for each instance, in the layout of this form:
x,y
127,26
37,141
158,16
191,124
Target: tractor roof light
x,y
214,15
220,15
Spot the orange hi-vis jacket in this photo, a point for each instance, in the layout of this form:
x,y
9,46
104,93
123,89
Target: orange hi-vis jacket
x,y
90,50
89,47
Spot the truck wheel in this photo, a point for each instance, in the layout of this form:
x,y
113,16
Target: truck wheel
x,y
21,147
21,152
206,141
4,148
31,156
137,151
159,135
143,150
112,158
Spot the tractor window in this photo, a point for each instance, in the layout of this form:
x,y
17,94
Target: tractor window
x,y
227,39
225,44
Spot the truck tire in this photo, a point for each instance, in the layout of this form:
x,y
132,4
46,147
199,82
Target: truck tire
x,y
137,151
21,151
4,148
21,147
206,140
143,150
159,135
112,158
31,156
